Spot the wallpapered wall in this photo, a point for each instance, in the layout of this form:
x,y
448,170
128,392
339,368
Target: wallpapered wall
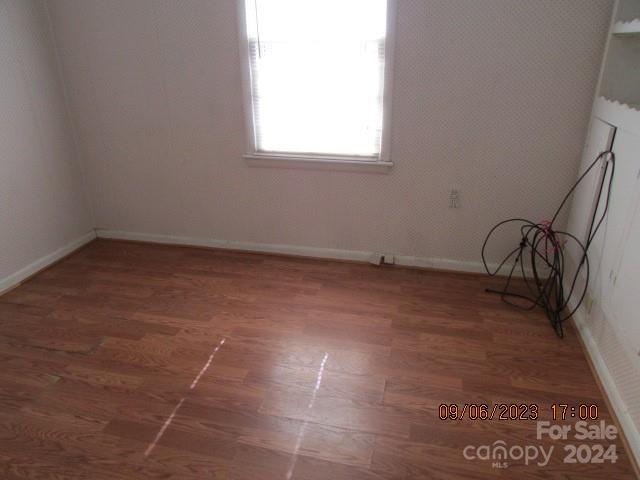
x,y
491,97
42,205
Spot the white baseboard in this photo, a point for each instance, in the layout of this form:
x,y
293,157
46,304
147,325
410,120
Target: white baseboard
x,y
316,252
441,264
16,278
608,382
329,253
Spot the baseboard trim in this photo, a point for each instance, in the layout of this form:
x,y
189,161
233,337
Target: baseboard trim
x,y
16,278
441,264
630,434
295,250
328,253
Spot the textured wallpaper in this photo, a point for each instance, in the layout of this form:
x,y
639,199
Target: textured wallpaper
x,y
42,204
491,97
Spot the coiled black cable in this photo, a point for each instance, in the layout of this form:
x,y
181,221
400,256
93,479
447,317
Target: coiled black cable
x,y
545,274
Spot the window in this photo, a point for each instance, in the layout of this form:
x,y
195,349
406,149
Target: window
x,y
316,78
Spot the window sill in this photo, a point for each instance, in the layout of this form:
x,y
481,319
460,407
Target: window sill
x,y
349,164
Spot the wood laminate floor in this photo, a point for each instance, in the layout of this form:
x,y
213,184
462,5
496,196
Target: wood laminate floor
x,y
135,361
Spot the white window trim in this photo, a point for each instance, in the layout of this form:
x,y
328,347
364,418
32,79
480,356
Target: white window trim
x,y
339,162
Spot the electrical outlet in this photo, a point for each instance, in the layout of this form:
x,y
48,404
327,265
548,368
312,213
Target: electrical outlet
x,y
454,198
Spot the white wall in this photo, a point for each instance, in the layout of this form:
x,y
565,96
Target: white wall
x,y
42,204
610,326
490,96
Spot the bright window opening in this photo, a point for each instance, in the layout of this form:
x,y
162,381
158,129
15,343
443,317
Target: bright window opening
x,y
317,74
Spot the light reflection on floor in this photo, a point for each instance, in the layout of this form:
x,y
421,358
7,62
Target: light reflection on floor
x,y
303,427
169,419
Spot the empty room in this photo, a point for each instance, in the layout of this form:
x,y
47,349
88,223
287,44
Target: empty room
x,y
319,239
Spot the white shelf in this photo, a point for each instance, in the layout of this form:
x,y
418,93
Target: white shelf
x,y
622,115
627,29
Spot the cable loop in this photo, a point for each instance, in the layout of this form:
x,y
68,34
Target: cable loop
x,y
542,248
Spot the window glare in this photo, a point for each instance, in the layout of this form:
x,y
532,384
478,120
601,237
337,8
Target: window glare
x,y
321,19
317,69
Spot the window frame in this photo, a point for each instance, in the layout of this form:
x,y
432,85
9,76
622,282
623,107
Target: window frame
x,y
254,157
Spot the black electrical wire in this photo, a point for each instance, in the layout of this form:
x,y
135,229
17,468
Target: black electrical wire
x,y
540,256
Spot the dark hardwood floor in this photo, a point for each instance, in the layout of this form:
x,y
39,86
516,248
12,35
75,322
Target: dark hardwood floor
x,y
135,361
